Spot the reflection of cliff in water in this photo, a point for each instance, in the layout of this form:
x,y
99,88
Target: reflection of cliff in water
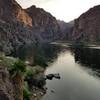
x,y
38,55
88,57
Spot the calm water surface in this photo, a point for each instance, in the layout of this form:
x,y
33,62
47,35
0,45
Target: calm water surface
x,y
79,71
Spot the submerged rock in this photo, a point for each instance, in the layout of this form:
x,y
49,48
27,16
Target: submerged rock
x,y
57,76
52,91
50,76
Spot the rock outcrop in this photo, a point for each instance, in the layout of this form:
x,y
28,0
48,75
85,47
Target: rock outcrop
x,y
14,35
10,11
87,26
45,23
6,87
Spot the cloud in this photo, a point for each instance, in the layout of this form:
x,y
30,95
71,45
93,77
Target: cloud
x,y
62,9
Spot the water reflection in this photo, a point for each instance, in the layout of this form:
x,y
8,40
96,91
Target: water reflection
x,y
48,53
88,57
38,55
76,83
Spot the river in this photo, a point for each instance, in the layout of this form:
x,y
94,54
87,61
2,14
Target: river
x,y
79,69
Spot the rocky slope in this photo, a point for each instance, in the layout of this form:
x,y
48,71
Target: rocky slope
x,y
20,27
12,11
15,27
19,80
44,22
6,87
66,29
87,26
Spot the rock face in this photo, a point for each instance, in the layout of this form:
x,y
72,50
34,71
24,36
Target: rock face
x,y
44,22
12,11
6,87
87,26
20,27
14,35
66,29
15,27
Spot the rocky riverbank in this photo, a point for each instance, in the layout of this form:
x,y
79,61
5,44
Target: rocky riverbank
x,y
19,81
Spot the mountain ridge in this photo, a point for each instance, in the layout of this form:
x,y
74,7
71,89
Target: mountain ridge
x,y
87,26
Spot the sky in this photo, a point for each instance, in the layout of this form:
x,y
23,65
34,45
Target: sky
x,y
66,10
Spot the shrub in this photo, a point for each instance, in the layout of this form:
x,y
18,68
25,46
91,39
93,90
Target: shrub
x,y
29,73
19,67
32,71
26,92
2,56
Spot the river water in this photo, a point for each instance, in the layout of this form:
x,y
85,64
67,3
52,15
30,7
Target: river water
x,y
79,69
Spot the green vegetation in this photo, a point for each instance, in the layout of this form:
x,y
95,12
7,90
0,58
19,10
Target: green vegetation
x,y
32,71
26,91
29,74
24,71
1,56
6,61
18,67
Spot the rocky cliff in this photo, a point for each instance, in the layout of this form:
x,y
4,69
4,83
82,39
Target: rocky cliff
x,y
44,22
15,27
66,29
12,11
87,26
20,27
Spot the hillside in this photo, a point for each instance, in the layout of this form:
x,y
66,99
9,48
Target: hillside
x,y
20,27
87,26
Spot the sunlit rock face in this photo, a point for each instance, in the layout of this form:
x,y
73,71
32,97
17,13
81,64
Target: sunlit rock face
x,y
44,22
10,10
87,26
